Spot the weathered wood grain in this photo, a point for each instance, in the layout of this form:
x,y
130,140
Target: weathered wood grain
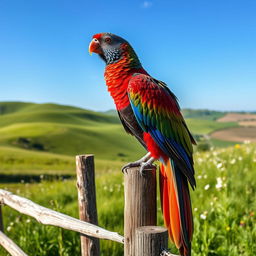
x,y
150,240
140,204
49,217
90,246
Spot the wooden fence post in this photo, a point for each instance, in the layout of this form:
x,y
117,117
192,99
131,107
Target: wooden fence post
x,y
150,240
1,219
140,204
87,202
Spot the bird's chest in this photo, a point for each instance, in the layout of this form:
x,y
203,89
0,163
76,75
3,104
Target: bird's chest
x,y
117,82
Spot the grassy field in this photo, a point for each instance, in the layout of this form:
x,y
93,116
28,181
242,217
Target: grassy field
x,y
204,126
64,130
46,137
224,208
38,140
16,162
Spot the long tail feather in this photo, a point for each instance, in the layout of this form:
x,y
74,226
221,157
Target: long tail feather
x,y
176,206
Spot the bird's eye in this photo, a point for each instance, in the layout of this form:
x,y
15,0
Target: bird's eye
x,y
108,40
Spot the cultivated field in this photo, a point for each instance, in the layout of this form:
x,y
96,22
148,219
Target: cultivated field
x,y
237,117
245,132
247,123
239,134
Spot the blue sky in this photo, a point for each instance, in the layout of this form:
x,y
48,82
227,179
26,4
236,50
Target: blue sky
x,y
204,50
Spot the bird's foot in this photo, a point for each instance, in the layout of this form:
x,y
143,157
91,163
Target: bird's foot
x,y
130,165
146,167
136,163
144,164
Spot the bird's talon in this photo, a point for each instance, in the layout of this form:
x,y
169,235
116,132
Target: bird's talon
x,y
124,169
129,165
142,172
145,167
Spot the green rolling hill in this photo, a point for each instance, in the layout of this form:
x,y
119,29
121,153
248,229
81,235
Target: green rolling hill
x,y
203,114
29,131
46,137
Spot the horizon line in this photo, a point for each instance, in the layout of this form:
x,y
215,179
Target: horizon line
x,y
85,108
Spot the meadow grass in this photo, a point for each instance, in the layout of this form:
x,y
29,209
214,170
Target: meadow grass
x,y
201,126
224,208
221,143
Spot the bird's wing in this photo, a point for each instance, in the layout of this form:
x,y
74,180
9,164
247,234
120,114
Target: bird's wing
x,y
157,112
130,124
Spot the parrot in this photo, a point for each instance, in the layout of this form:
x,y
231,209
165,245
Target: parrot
x,y
150,112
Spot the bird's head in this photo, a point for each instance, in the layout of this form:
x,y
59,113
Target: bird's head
x,y
111,48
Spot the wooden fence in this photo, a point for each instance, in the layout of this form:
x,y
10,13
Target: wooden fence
x,y
141,235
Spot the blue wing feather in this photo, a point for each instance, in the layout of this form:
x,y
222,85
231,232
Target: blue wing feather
x,y
152,123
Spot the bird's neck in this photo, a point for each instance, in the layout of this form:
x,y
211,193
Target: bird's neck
x,y
118,74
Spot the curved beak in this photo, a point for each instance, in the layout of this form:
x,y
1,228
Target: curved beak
x,y
95,47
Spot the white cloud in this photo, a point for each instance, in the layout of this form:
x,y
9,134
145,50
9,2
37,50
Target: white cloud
x,y
147,4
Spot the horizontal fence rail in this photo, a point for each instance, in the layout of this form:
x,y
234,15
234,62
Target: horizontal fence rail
x,y
10,246
50,217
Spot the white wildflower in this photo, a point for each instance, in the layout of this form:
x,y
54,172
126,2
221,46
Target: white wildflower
x,y
233,161
203,216
199,177
219,183
219,165
195,209
9,228
206,187
205,176
240,158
